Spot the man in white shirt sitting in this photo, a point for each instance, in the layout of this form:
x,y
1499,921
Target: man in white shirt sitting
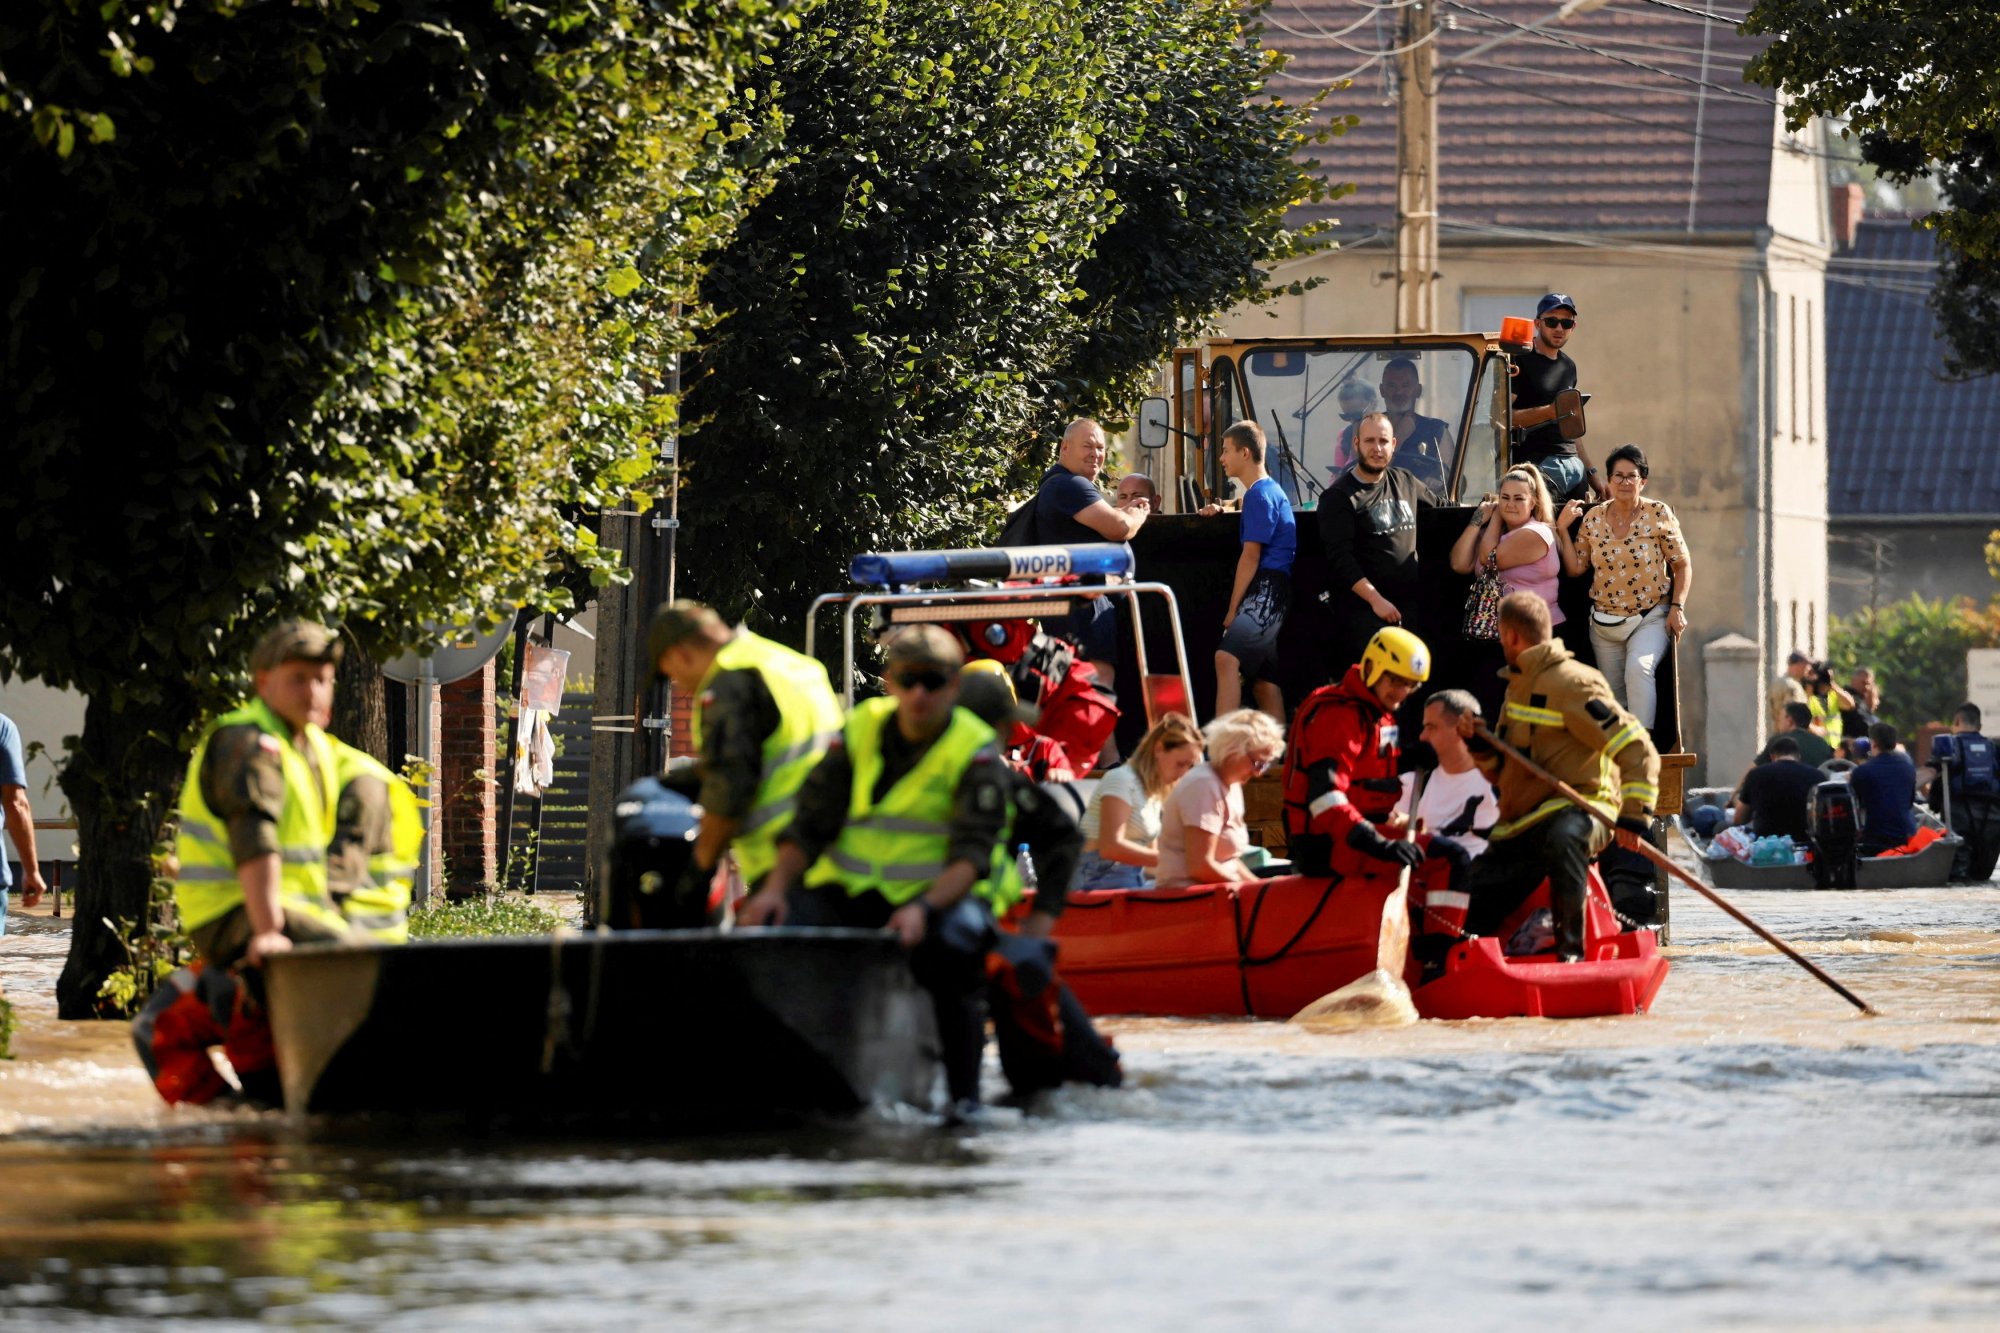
x,y
1458,802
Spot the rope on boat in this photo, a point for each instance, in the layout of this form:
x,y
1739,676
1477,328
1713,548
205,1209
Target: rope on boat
x,y
1244,959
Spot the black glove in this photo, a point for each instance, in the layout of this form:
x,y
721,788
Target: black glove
x,y
1368,840
1444,849
1636,824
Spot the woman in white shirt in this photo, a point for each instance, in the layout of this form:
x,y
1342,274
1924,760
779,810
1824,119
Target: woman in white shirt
x,y
1202,833
1122,825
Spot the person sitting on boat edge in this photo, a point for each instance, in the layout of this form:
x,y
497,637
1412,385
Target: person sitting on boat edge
x,y
896,827
1203,836
762,715
1121,826
1885,793
1775,797
1457,801
1972,777
1561,714
257,809
1796,721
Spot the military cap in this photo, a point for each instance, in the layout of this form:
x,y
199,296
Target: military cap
x,y
924,645
295,641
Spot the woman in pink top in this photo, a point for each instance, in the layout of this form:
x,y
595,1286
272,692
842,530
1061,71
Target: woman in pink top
x,y
1515,526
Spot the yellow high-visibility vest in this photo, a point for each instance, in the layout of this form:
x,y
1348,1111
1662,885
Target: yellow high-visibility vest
x,y
808,720
207,887
381,906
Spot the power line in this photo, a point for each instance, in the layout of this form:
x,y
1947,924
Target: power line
x,y
1698,13
1605,55
1653,88
1318,33
1365,65
1677,127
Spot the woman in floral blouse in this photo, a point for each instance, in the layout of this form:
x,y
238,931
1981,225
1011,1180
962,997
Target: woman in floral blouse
x,y
1638,593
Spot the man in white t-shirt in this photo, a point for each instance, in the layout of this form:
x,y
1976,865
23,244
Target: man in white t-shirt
x,y
1457,799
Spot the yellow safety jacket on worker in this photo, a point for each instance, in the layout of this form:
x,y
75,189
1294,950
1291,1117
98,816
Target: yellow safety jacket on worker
x,y
1826,711
1562,714
208,887
380,905
808,720
898,845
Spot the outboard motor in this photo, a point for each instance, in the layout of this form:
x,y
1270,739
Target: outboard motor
x,y
646,885
1836,832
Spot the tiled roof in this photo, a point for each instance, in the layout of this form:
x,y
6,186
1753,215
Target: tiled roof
x,y
1537,133
1900,439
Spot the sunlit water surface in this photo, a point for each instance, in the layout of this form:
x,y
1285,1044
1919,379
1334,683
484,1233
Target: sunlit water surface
x,y
1751,1155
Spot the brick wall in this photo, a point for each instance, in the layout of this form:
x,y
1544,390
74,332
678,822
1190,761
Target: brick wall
x,y
467,756
680,743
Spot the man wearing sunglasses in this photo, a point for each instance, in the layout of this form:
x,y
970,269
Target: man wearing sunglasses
x,y
1538,377
896,828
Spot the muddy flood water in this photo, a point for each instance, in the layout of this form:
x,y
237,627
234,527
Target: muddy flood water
x,y
1751,1155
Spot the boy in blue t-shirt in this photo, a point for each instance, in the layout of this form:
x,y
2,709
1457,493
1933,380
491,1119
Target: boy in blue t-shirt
x,y
1263,589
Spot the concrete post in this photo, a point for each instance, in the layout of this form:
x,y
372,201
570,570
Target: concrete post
x,y
1734,728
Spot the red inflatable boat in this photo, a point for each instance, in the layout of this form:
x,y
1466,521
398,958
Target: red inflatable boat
x,y
1620,973
1268,948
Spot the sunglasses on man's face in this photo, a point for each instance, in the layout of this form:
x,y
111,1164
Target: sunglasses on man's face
x,y
929,680
1553,323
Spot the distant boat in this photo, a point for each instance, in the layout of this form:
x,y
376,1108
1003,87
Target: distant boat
x,y
1925,869
679,1028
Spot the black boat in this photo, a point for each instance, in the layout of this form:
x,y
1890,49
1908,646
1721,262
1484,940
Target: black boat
x,y
683,1028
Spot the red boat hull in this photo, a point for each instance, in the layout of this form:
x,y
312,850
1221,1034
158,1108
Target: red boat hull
x,y
1620,973
1265,949
1268,948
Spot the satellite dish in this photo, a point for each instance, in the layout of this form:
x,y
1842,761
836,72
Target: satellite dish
x,y
464,653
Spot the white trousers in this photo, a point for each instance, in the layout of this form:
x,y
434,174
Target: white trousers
x,y
1629,653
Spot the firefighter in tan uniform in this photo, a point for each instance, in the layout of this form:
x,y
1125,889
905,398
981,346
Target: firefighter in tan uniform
x,y
1561,714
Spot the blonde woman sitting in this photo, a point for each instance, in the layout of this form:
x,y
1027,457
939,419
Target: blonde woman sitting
x,y
1202,832
1121,829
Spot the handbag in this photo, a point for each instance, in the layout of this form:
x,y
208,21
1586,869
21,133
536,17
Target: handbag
x,y
1482,604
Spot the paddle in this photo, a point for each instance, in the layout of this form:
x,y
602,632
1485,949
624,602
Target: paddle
x,y
1660,859
1377,999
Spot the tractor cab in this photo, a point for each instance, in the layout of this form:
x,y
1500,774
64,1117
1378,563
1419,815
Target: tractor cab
x,y
1448,395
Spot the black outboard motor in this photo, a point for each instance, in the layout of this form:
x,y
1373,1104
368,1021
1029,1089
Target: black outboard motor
x,y
1836,832
647,885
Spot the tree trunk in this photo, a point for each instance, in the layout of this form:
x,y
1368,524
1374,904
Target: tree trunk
x,y
360,703
123,782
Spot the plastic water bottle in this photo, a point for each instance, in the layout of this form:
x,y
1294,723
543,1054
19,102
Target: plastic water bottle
x,y
1025,861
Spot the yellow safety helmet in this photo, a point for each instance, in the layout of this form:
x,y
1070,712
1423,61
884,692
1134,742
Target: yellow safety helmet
x,y
1395,649
986,666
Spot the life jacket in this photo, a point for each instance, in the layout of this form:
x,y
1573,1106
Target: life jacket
x,y
1978,767
808,720
898,845
194,1010
379,905
207,887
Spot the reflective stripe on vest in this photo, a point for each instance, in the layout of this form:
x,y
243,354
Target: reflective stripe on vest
x,y
899,845
381,906
808,720
207,887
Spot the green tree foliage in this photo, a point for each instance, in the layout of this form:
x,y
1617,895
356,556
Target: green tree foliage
x,y
990,215
1917,648
344,309
1916,81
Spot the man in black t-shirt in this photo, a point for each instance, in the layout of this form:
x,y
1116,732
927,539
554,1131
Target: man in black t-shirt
x,y
1538,377
1368,529
1776,797
1071,511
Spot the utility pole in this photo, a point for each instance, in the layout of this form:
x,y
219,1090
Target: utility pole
x,y
1416,171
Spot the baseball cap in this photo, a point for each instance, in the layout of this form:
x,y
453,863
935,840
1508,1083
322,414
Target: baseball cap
x,y
1555,301
924,645
1797,656
295,641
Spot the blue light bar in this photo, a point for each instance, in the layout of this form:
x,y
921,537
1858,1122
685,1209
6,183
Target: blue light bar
x,y
897,568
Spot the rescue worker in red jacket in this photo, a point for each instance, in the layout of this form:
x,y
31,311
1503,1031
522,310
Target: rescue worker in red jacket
x,y
1341,783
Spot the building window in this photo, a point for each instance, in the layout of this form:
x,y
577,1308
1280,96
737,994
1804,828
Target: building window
x,y
1812,423
1795,628
1812,629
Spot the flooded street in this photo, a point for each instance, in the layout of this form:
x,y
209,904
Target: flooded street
x,y
1751,1155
